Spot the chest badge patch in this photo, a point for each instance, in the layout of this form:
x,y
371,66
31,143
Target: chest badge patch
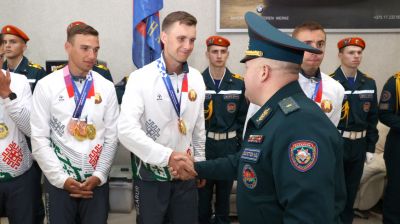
x,y
385,96
255,139
97,98
231,107
303,154
249,177
251,155
366,107
326,106
192,95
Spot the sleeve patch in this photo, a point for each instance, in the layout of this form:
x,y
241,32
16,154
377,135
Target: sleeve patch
x,y
385,96
303,154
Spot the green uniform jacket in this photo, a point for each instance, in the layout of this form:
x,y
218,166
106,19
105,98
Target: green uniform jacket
x,y
388,113
33,72
229,106
363,106
290,167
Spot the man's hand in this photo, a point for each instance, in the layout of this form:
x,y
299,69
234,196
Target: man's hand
x,y
90,183
369,157
181,166
5,81
74,189
201,183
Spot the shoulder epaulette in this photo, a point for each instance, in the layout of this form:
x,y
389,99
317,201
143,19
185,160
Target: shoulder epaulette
x,y
367,76
35,65
58,67
397,75
288,105
237,76
101,66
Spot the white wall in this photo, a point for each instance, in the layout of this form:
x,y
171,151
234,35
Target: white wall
x,y
45,21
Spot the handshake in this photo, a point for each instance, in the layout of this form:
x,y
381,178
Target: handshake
x,y
181,166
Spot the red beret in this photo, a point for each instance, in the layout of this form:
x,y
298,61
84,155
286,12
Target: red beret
x,y
217,40
10,29
351,41
76,23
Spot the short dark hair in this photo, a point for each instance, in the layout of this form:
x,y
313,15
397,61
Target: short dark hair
x,y
1,39
81,29
308,25
178,16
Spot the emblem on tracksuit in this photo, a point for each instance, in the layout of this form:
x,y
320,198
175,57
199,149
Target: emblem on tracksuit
x,y
326,106
192,95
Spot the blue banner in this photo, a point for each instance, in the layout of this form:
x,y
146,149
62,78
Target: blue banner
x,y
146,46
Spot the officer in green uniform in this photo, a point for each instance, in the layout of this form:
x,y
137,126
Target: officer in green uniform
x,y
120,88
14,45
359,117
389,115
290,167
225,112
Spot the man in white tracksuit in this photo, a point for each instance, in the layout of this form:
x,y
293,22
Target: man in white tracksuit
x,y
16,171
162,116
74,133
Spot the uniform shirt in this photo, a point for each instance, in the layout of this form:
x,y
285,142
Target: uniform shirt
x,y
226,106
287,172
148,123
389,110
332,94
15,155
33,72
360,107
58,153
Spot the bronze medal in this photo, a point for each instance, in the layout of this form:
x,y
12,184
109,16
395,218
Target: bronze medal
x,y
91,131
192,95
80,131
3,130
181,126
72,125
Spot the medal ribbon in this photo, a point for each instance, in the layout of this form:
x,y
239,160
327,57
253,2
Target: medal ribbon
x,y
170,89
317,95
72,89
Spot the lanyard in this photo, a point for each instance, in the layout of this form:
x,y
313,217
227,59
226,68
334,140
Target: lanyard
x,y
317,95
170,89
79,97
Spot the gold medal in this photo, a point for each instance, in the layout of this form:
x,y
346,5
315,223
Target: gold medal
x,y
91,131
3,130
181,126
192,95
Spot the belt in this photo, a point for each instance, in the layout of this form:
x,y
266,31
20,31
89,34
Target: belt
x,y
353,135
221,136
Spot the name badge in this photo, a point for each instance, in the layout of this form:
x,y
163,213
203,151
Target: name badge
x,y
251,155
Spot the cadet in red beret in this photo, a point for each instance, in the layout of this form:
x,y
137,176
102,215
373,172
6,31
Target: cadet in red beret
x,y
225,112
359,117
15,40
14,45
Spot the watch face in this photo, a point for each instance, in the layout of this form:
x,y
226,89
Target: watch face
x,y
12,96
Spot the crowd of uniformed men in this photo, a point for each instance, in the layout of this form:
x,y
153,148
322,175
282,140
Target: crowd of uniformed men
x,y
298,157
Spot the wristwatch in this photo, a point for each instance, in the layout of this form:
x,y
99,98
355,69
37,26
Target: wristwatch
x,y
12,96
